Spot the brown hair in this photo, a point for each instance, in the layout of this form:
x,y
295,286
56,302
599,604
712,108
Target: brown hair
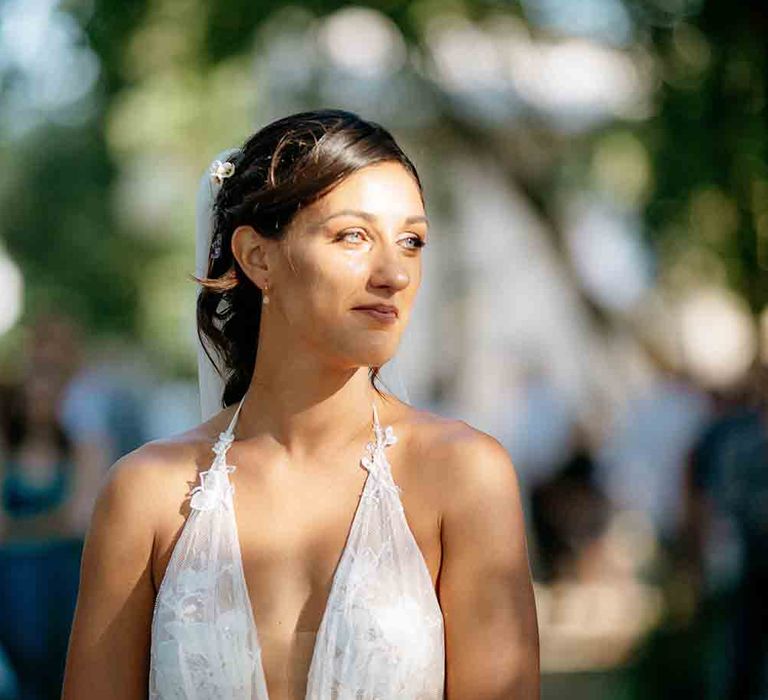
x,y
282,168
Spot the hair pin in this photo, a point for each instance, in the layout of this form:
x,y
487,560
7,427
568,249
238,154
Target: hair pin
x,y
220,170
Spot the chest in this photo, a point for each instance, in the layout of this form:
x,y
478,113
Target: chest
x,y
293,526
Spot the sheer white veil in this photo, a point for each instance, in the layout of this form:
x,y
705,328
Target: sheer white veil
x,y
210,381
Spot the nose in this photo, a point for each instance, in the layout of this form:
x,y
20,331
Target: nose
x,y
389,269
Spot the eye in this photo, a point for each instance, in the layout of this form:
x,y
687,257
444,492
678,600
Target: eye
x,y
418,242
345,234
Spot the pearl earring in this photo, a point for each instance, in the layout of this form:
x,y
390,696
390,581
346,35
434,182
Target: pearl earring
x,y
265,298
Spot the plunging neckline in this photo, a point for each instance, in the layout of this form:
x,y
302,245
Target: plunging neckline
x,y
382,438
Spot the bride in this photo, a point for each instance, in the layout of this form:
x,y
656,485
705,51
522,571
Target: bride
x,y
315,537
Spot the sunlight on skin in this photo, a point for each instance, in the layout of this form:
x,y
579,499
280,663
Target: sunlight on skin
x,y
330,261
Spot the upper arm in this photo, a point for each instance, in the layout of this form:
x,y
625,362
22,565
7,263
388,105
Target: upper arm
x,y
108,655
485,588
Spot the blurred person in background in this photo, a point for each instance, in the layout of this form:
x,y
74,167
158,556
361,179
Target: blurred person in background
x,y
61,425
727,538
642,462
595,609
40,539
103,409
56,346
641,466
570,515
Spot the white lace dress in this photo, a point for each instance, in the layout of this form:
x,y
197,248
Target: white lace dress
x,y
381,636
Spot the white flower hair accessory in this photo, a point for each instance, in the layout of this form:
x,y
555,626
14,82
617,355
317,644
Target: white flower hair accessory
x,y
221,170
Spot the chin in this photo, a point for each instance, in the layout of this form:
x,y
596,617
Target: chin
x,y
370,350
374,359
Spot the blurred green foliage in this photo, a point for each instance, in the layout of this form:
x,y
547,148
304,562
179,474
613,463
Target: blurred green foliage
x,y
709,142
706,203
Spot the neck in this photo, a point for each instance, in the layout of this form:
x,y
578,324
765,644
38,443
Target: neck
x,y
299,412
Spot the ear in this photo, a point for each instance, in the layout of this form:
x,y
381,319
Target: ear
x,y
251,250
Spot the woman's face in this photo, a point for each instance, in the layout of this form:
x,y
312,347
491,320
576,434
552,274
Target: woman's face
x,y
358,245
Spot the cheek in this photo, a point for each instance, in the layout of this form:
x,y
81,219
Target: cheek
x,y
323,283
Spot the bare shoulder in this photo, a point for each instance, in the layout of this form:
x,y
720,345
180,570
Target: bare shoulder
x,y
152,460
142,473
110,637
462,462
484,582
146,482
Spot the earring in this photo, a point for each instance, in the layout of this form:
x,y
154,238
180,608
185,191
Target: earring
x,y
265,298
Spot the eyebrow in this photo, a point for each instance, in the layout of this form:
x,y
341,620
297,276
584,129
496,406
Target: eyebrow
x,y
370,217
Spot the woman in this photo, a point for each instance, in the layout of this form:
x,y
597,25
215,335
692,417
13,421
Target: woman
x,y
39,543
406,578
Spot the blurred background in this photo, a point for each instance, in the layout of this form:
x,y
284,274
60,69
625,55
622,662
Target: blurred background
x,y
596,173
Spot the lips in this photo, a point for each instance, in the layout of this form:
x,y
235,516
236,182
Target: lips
x,y
381,313
381,308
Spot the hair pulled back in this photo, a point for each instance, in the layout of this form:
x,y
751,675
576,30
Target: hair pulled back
x,y
282,168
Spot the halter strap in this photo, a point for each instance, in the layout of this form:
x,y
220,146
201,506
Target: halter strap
x,y
375,448
230,429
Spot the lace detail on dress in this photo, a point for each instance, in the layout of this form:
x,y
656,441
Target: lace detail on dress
x,y
204,643
382,632
381,635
